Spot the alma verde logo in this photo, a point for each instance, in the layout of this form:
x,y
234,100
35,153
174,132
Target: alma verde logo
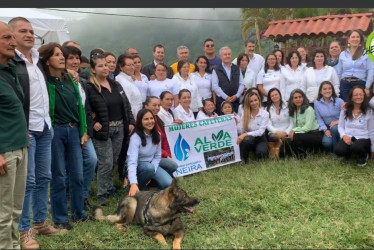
x,y
220,140
370,46
181,148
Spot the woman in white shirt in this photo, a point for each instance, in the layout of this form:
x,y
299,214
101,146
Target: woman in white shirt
x,y
249,76
186,81
141,80
183,111
268,77
251,128
162,83
203,78
314,76
207,111
165,113
280,123
356,128
126,66
291,74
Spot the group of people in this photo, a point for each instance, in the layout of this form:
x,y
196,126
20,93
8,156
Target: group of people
x,y
63,123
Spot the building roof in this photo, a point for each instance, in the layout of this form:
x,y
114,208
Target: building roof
x,y
318,26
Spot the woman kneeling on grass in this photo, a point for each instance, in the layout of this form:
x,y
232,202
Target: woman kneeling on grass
x,y
251,128
305,134
356,127
144,155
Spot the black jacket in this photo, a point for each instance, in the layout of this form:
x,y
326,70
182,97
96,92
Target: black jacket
x,y
99,107
24,80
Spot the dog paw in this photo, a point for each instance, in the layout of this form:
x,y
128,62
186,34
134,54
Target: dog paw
x,y
121,227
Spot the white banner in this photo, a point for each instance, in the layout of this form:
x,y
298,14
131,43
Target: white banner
x,y
203,144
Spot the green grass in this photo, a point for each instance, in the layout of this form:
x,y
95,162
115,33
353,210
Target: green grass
x,y
313,203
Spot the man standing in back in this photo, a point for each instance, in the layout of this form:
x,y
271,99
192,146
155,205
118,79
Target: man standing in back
x,y
183,54
227,81
210,53
13,144
158,57
32,79
256,61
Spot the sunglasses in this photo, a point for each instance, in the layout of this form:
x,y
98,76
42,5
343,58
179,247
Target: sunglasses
x,y
209,45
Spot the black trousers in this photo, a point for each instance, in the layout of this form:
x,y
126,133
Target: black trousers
x,y
256,144
304,142
360,147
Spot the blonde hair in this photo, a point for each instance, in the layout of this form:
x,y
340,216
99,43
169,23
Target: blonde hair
x,y
92,77
246,118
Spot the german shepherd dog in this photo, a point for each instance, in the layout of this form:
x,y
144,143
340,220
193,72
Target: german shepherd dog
x,y
158,212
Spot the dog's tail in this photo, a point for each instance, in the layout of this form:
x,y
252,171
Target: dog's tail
x,y
99,215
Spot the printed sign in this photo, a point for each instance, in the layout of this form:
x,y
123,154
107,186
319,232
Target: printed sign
x,y
370,46
203,144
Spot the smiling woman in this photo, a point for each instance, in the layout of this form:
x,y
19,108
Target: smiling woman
x,y
70,134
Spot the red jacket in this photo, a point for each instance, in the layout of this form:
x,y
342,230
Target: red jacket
x,y
165,149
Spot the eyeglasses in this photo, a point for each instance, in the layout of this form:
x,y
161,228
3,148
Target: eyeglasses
x,y
358,95
209,45
130,65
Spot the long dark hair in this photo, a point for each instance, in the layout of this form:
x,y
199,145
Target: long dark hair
x,y
333,95
349,104
139,130
292,107
270,102
207,69
266,67
361,48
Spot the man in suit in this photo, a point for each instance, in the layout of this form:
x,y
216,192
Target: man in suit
x,y
158,57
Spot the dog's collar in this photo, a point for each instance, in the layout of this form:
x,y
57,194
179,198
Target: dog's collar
x,y
147,220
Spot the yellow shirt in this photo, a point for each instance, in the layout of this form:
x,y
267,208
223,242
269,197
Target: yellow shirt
x,y
175,65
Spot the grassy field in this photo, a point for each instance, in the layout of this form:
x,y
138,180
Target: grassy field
x,y
314,203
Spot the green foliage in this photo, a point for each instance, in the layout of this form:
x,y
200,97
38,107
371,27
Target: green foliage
x,y
116,33
292,204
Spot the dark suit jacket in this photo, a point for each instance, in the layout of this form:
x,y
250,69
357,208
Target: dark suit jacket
x,y
149,70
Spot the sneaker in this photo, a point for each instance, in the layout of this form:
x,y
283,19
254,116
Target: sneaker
x,y
362,161
102,200
45,229
65,225
27,240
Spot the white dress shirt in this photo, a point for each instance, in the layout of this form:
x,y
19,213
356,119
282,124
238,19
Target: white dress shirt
x,y
39,99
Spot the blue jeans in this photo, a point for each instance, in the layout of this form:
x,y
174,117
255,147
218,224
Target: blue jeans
x,y
89,165
67,158
346,86
38,178
146,172
168,165
329,143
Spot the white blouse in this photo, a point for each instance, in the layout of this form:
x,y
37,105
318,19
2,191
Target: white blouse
x,y
180,113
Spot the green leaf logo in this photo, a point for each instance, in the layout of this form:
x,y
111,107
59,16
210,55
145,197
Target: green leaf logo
x,y
218,136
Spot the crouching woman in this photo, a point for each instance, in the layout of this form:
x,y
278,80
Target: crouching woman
x,y
144,155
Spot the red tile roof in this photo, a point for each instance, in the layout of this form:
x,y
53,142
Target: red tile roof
x,y
283,30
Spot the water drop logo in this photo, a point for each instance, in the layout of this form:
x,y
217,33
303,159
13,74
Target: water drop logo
x,y
181,148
